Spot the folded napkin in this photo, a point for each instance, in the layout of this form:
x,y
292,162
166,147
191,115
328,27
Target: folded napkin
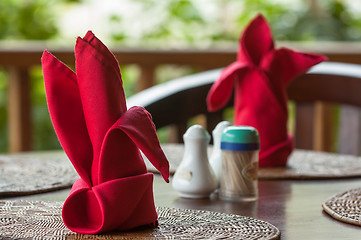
x,y
260,77
102,140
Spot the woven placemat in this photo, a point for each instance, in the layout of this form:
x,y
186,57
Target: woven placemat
x,y
345,207
302,164
36,172
42,220
29,173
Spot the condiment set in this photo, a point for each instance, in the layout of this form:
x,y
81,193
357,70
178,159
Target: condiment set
x,y
231,171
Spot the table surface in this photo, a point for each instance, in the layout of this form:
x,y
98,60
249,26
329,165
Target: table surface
x,y
293,206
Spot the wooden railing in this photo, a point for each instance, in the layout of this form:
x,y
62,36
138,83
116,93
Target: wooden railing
x,y
18,58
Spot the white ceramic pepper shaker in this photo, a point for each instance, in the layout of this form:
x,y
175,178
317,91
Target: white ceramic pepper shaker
x,y
216,157
194,178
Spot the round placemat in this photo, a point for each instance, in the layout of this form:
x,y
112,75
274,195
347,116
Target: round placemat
x,y
345,207
35,172
305,164
302,164
42,220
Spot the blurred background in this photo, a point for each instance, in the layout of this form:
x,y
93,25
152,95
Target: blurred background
x,y
154,24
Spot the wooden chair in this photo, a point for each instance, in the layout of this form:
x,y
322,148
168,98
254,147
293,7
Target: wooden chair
x,y
325,97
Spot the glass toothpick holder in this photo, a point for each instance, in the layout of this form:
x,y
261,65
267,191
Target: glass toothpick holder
x,y
240,147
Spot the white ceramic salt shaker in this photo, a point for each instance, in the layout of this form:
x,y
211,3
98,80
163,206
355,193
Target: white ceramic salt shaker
x,y
216,157
194,178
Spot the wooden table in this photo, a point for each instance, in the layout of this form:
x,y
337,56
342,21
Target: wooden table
x,y
293,206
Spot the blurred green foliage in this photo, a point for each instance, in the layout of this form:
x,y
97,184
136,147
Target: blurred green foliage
x,y
197,23
24,19
329,21
189,22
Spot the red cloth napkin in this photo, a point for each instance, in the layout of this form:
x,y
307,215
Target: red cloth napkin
x,y
259,78
102,139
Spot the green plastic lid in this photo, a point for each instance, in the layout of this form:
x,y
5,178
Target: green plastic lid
x,y
240,138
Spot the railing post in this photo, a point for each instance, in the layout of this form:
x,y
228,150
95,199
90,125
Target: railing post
x,y
146,77
323,127
304,127
19,113
350,130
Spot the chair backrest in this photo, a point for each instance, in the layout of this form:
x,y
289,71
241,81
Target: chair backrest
x,y
314,113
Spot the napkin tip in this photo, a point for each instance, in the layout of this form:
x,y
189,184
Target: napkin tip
x,y
166,176
323,58
210,108
45,55
213,106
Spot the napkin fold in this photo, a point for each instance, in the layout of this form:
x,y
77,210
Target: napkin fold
x,y
259,79
102,140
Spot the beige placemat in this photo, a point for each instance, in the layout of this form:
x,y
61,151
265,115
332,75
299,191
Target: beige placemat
x,y
302,164
35,172
42,220
345,207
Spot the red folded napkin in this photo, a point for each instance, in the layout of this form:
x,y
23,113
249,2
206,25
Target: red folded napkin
x,y
260,77
102,139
